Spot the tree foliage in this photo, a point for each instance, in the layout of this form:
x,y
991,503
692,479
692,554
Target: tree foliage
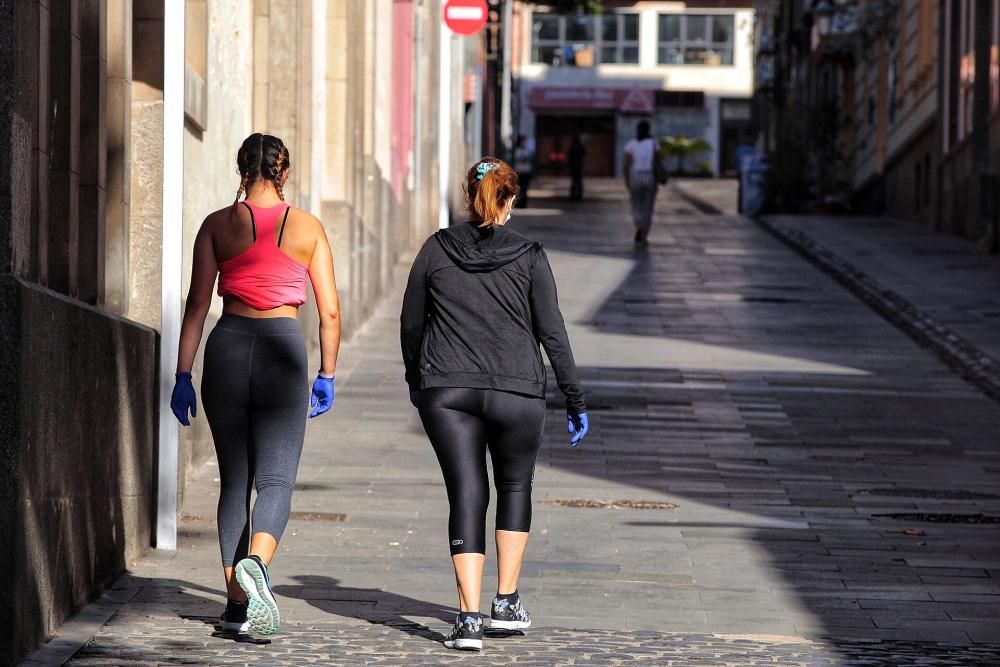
x,y
683,148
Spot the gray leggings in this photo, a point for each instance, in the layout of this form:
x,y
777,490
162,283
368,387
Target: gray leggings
x,y
643,193
255,391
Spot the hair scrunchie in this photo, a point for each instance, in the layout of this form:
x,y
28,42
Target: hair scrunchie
x,y
484,168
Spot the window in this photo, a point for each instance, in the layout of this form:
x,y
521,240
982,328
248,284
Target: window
x,y
620,38
696,39
546,37
584,40
680,98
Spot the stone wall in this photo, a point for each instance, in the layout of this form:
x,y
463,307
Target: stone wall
x,y
78,384
79,433
79,366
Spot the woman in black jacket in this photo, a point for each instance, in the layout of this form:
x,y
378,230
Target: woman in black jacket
x,y
479,301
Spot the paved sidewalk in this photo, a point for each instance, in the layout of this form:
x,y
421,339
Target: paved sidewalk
x,y
803,462
949,278
938,289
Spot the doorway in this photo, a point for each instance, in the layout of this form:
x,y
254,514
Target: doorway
x,y
554,134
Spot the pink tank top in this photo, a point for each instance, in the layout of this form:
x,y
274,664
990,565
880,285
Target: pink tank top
x,y
263,276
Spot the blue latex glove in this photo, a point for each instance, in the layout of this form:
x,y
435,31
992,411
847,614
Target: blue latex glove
x,y
322,396
577,425
183,397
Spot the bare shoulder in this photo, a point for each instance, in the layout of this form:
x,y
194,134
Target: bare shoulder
x,y
304,222
216,218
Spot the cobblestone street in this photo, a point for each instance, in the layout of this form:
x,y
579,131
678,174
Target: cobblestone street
x,y
775,474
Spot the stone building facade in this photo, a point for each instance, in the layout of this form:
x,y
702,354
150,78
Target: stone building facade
x,y
969,131
913,90
856,84
686,67
354,88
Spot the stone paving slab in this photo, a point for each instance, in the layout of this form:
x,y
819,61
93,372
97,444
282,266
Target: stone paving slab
x,y
951,279
377,644
727,377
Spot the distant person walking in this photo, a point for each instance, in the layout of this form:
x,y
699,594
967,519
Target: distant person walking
x,y
524,165
577,153
479,301
255,381
640,180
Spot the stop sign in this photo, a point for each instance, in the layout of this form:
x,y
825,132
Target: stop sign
x,y
465,17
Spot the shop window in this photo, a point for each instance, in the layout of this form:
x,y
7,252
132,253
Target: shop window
x,y
584,40
696,39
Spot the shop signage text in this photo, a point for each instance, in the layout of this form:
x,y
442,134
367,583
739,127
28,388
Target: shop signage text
x,y
626,100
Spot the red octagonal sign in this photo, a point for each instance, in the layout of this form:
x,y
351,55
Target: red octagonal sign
x,y
465,17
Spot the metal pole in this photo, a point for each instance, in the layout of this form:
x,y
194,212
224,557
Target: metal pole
x,y
318,91
417,173
444,124
170,267
477,112
506,130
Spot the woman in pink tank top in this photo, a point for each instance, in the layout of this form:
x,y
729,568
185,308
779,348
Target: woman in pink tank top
x,y
255,381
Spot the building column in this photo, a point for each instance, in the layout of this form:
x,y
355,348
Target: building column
x,y
93,150
64,159
282,88
118,145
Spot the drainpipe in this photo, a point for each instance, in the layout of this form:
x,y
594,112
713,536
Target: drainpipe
x,y
170,266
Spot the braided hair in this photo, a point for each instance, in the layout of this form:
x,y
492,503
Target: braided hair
x,y
262,157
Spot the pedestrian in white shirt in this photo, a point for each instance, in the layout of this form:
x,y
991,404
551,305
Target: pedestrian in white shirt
x,y
640,180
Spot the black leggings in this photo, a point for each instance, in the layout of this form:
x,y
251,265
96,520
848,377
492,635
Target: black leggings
x,y
255,391
461,424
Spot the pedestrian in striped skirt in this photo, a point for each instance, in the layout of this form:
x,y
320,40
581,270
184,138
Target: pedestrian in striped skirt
x,y
640,180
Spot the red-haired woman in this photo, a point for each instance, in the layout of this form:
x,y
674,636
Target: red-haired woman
x,y
479,301
255,380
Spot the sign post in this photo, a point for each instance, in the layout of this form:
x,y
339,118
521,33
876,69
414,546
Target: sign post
x,y
465,17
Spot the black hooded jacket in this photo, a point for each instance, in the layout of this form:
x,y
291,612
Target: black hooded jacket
x,y
478,303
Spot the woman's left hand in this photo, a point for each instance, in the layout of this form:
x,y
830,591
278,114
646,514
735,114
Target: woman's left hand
x,y
322,395
578,426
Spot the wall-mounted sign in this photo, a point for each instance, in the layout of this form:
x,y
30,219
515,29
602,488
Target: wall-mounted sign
x,y
625,100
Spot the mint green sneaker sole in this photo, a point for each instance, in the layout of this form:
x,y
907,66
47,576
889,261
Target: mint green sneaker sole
x,y
262,608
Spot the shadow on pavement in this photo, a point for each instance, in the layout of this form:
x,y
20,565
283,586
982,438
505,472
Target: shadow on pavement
x,y
817,468
370,604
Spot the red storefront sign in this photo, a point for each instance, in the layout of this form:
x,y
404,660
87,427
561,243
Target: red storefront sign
x,y
625,100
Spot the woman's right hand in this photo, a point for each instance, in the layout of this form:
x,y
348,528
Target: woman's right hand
x,y
183,398
577,425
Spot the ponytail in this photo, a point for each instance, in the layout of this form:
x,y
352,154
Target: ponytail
x,y
490,186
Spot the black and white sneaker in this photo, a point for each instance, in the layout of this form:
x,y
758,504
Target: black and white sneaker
x,y
508,613
234,618
467,635
262,608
